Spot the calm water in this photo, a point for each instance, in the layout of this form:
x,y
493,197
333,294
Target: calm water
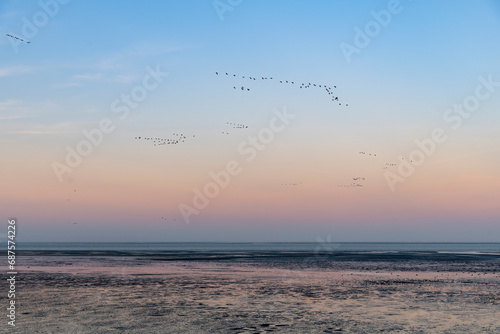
x,y
264,247
296,251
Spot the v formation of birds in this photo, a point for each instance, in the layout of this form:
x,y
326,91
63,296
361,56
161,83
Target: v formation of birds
x,y
303,85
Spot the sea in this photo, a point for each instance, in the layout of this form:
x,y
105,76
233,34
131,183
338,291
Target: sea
x,y
205,251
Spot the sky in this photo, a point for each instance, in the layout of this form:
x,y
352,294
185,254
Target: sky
x,y
410,151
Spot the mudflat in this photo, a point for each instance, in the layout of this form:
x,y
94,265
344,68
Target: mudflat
x,y
72,294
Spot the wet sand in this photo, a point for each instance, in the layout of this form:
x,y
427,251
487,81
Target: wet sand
x,y
133,295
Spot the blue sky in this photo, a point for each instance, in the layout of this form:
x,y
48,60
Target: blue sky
x,y
427,58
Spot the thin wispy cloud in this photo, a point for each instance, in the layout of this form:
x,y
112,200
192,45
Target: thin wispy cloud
x,y
41,129
10,14
91,110
67,85
89,76
12,106
2,118
110,68
465,156
16,109
101,77
16,70
142,50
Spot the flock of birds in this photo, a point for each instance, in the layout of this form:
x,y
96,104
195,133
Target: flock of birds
x,y
359,179
18,38
291,184
237,125
352,185
157,141
74,191
388,164
369,154
242,88
302,85
328,89
179,138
